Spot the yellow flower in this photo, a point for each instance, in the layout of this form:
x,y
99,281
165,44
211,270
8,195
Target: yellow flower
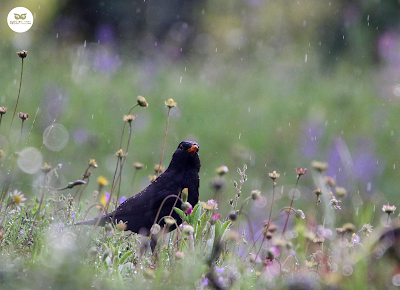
x,y
17,198
104,198
102,181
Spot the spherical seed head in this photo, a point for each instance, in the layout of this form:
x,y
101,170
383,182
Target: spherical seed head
x,y
170,103
138,165
22,54
330,181
319,166
46,168
155,229
121,226
129,118
255,194
142,101
23,116
169,221
340,192
92,163
188,230
222,170
300,214
3,110
217,183
232,216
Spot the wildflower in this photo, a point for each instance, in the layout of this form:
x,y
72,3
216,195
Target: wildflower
x,y
138,165
301,171
256,194
170,103
209,205
159,168
254,258
222,170
129,118
340,192
22,54
366,229
274,175
23,116
300,214
188,230
180,255
3,110
121,226
169,221
317,192
104,199
335,203
122,199
102,181
355,239
92,163
330,181
120,153
187,207
142,101
155,229
46,168
389,208
185,194
17,199
319,166
214,218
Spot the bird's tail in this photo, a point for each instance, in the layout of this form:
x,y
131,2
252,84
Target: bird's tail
x,y
95,221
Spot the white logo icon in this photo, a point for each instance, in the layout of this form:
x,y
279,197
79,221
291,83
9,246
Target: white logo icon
x,y
20,19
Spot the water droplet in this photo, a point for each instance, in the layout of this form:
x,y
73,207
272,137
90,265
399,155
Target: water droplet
x,y
30,160
55,137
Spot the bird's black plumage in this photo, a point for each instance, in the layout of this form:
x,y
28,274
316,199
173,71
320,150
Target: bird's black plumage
x,y
139,212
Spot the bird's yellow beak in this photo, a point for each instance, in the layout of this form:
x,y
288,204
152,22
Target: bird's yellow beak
x,y
194,148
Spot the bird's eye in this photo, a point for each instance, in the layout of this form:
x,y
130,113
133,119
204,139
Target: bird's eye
x,y
181,148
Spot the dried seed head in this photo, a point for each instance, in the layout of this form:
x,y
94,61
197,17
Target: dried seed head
x,y
3,110
274,175
142,101
319,166
121,226
46,168
120,153
138,165
349,227
22,54
301,171
23,116
222,170
170,103
129,118
330,181
92,163
317,192
255,194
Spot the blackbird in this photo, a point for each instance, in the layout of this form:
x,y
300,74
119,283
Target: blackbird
x,y
139,212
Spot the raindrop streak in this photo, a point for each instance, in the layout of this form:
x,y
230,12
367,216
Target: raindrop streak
x,y
180,80
305,60
55,137
240,134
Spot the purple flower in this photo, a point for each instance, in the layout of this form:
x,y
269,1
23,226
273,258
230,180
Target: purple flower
x,y
122,199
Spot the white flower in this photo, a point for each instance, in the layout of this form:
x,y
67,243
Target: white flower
x,y
17,199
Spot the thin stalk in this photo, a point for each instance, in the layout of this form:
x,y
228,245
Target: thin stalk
x,y
165,140
291,204
19,93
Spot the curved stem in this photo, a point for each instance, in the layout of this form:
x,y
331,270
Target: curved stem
x,y
165,139
291,204
19,93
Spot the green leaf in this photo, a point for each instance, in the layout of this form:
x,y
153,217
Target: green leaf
x,y
125,256
182,214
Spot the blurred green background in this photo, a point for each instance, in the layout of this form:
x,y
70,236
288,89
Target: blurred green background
x,y
270,84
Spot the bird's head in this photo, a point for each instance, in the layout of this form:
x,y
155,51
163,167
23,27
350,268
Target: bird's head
x,y
186,155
